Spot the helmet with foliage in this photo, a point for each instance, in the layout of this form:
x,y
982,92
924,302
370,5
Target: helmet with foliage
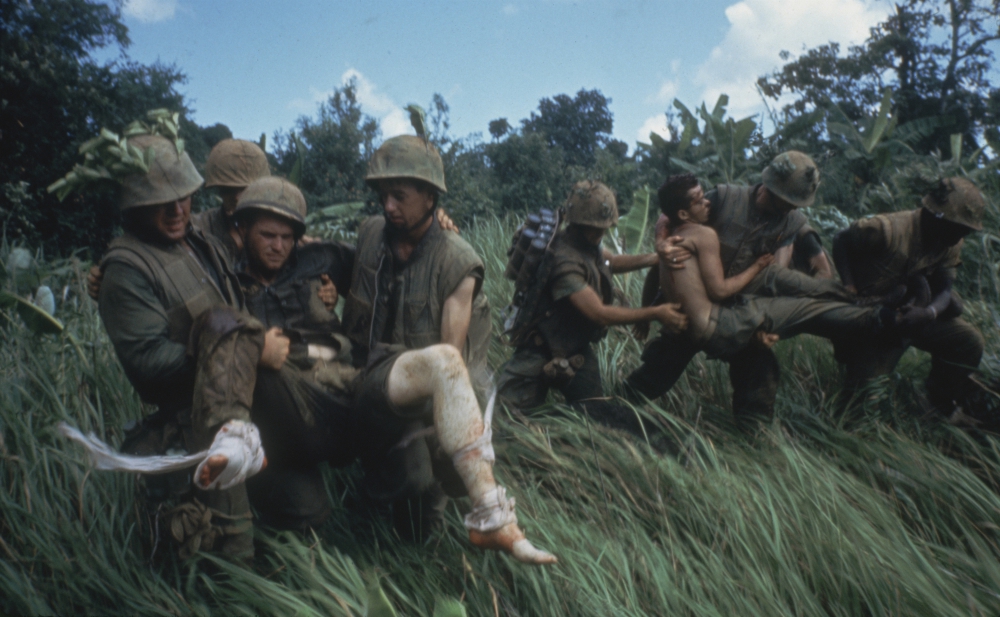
x,y
794,177
171,176
235,163
407,156
276,196
957,200
593,204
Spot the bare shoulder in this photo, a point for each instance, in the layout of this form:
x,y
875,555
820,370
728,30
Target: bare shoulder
x,y
699,235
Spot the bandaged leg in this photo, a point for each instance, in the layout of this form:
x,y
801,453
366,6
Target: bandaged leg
x,y
439,373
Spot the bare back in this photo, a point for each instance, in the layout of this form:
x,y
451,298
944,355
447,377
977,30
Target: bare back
x,y
687,286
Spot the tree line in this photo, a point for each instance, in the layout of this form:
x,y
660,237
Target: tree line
x,y
913,101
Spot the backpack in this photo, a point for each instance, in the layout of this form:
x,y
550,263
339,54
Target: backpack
x,y
528,264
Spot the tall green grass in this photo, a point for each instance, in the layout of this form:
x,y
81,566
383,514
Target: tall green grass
x,y
872,511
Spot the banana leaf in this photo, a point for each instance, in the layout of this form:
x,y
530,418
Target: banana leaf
x,y
632,226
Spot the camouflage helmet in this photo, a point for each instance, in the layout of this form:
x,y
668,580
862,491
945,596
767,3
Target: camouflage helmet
x,y
276,196
957,200
171,176
593,204
407,156
792,176
235,163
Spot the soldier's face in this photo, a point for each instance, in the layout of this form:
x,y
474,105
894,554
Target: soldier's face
x,y
268,243
698,206
230,196
170,220
404,204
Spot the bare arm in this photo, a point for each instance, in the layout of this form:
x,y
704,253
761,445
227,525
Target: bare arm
x,y
716,285
457,314
821,266
783,256
593,308
628,263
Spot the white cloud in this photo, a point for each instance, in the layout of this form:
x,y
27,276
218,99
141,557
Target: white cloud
x,y
392,118
666,94
760,29
511,9
654,124
150,11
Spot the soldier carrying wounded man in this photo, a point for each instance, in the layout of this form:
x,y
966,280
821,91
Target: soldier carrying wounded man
x,y
176,315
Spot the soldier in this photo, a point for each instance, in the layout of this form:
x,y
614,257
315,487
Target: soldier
x,y
419,324
554,348
172,308
914,255
303,410
750,222
232,165
723,328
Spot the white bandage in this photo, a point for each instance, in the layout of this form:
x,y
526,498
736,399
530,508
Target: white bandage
x,y
496,510
239,442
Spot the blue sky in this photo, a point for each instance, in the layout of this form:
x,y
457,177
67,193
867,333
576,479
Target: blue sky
x,y
258,65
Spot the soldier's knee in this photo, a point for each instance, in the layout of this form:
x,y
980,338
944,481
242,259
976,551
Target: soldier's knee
x,y
444,356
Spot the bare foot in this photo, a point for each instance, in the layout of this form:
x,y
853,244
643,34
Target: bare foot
x,y
510,539
213,467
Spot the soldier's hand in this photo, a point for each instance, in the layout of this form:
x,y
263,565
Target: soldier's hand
x,y
445,221
276,346
765,339
304,240
912,316
327,293
671,317
94,278
764,261
672,253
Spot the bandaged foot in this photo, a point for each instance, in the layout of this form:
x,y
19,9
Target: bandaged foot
x,y
492,525
235,455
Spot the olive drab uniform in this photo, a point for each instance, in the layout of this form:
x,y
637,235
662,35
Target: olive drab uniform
x,y
393,307
745,233
173,315
303,410
562,336
889,252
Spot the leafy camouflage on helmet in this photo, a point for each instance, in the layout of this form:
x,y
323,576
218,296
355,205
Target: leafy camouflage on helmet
x,y
235,163
171,174
277,196
794,177
407,156
957,200
593,204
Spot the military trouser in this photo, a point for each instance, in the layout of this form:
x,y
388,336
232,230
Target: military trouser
x,y
303,423
956,348
753,371
524,384
733,327
227,346
406,473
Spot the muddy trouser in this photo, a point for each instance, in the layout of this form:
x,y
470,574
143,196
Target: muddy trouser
x,y
956,348
524,385
405,470
753,371
302,424
227,346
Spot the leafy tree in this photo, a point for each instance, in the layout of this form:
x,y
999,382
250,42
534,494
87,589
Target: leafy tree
x,y
578,125
55,96
933,53
332,150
